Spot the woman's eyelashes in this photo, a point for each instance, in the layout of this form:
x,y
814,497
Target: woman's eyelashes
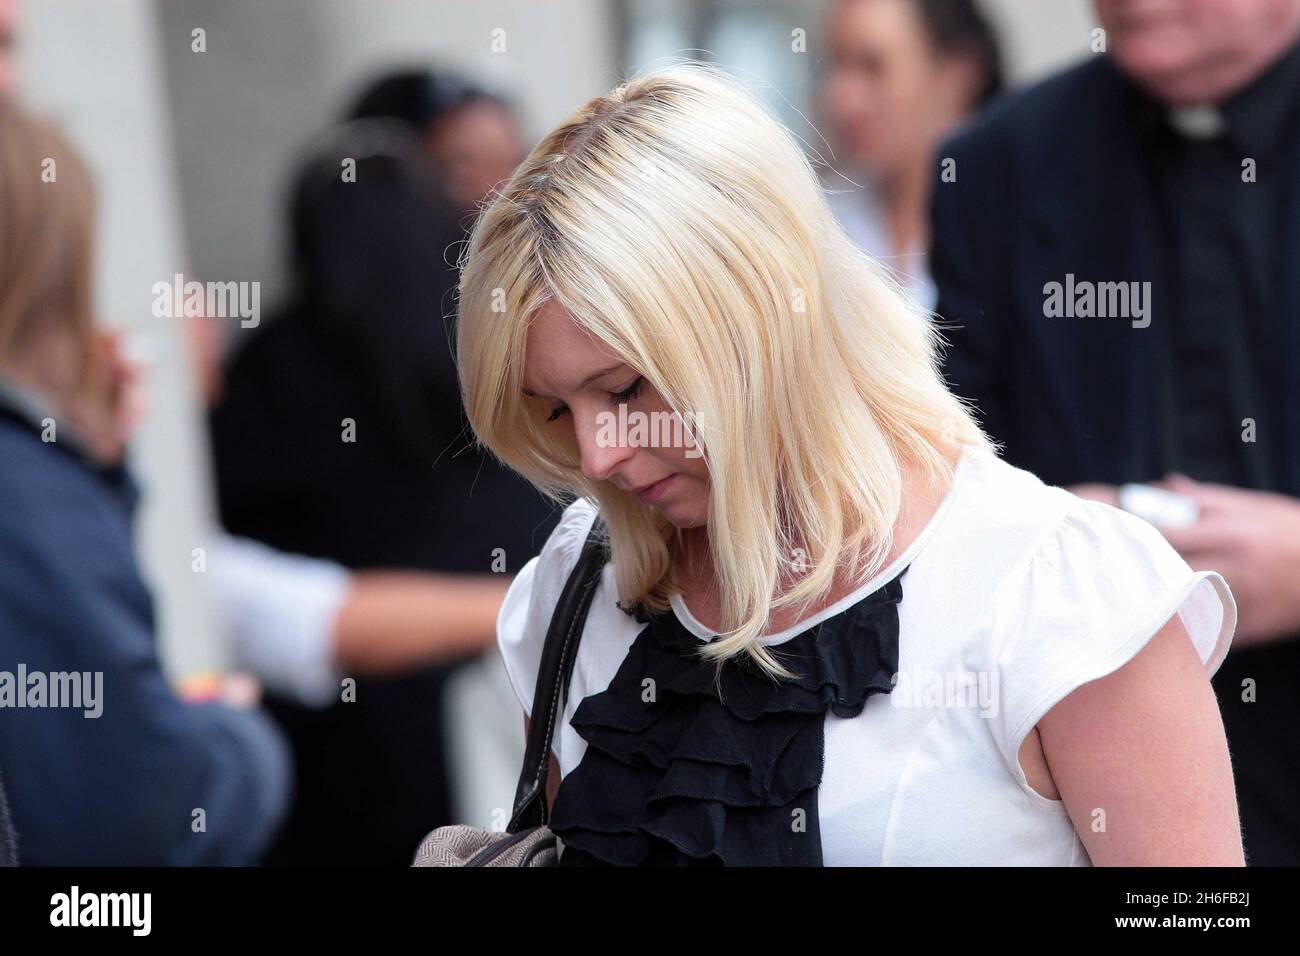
x,y
629,393
615,398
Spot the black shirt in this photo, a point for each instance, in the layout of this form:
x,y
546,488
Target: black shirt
x,y
1224,199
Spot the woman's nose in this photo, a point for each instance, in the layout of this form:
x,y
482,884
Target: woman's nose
x,y
601,447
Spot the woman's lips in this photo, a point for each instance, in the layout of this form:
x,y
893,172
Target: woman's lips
x,y
652,493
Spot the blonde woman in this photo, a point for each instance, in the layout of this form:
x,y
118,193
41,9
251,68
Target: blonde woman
x,y
836,628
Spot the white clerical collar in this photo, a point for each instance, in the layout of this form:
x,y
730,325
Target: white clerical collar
x,y
1204,121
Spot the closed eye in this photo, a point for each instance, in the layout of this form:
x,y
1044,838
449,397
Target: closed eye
x,y
616,398
629,393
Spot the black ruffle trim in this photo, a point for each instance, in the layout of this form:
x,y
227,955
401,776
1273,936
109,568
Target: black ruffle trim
x,y
687,766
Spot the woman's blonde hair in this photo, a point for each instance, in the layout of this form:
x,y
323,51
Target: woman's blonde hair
x,y
681,225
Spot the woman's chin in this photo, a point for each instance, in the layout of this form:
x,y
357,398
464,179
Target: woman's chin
x,y
682,514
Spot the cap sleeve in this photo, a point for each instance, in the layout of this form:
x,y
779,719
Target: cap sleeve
x,y
1100,585
530,600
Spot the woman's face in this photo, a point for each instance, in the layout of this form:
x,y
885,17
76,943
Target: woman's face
x,y
476,148
888,96
645,450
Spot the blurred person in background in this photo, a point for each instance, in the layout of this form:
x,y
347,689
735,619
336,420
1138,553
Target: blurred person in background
x,y
302,625
340,435
472,141
902,74
297,624
137,776
469,135
1169,168
8,853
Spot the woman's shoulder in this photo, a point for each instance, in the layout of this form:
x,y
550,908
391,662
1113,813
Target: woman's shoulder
x,y
998,516
1084,590
1015,514
531,598
1070,571
1049,527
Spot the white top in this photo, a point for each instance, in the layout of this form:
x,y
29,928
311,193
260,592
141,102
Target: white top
x,y
1017,594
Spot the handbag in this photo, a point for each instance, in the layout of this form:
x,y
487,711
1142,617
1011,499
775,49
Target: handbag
x,y
527,840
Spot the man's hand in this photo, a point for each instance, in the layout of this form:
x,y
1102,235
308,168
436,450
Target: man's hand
x,y
1252,538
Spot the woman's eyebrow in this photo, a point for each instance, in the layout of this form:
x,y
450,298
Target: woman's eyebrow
x,y
585,382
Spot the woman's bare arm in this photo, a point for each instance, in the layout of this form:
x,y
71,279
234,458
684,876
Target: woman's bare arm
x,y
396,620
1141,761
